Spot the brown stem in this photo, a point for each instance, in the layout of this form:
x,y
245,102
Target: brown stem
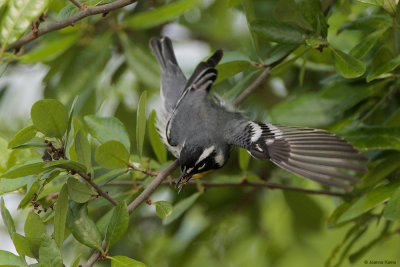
x,y
97,188
249,90
83,13
209,184
77,4
137,201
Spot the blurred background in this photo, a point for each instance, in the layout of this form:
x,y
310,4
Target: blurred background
x,y
107,62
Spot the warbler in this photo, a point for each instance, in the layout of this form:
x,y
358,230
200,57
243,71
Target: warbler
x,y
201,131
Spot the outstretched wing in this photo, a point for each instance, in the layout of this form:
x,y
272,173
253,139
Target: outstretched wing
x,y
314,154
173,81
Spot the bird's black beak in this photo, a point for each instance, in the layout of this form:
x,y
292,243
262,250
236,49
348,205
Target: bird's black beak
x,y
183,179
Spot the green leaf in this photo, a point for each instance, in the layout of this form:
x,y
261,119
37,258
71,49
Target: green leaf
x,y
60,216
83,149
381,169
229,69
163,208
373,2
122,261
375,137
118,224
25,170
51,47
155,140
181,207
366,44
313,14
67,165
22,245
78,192
18,17
10,185
244,159
368,23
82,227
276,31
106,129
9,259
368,201
34,229
31,191
141,122
159,15
392,209
382,70
112,155
279,51
346,65
50,117
7,219
49,252
75,263
23,136
249,10
316,42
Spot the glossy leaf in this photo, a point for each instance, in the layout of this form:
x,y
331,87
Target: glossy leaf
x,y
141,122
373,2
279,51
18,17
160,15
244,159
383,69
181,207
368,23
381,169
24,170
118,224
366,44
23,136
34,229
392,209
112,155
75,263
276,31
50,117
78,192
82,227
155,140
378,137
107,128
67,164
163,208
60,216
83,149
347,65
7,219
9,259
22,245
229,69
313,14
123,261
49,252
10,185
32,189
368,201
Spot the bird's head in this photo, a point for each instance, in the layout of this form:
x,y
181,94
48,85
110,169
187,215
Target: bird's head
x,y
196,160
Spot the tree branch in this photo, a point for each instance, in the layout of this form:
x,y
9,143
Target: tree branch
x,y
209,184
83,13
97,188
260,79
137,201
77,4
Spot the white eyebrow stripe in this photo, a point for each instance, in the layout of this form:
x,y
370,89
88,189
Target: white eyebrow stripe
x,y
205,154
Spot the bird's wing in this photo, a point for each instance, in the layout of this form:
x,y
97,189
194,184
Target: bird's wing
x,y
173,81
202,79
314,154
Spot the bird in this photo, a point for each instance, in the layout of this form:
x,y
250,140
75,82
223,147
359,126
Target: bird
x,y
200,130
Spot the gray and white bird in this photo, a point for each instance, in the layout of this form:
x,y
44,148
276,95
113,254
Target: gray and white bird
x,y
200,132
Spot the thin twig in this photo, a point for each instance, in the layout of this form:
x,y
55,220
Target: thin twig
x,y
249,90
209,184
137,201
97,188
83,13
77,4
147,172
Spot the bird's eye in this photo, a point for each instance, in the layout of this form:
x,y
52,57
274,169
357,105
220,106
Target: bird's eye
x,y
201,166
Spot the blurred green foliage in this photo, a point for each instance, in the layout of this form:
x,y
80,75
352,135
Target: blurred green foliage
x,y
334,66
